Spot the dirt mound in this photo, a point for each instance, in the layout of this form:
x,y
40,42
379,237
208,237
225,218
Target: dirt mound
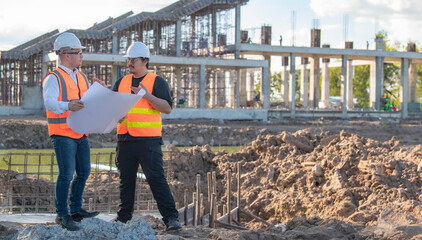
x,y
33,134
343,176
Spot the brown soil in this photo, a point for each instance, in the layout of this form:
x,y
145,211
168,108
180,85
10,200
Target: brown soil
x,y
324,180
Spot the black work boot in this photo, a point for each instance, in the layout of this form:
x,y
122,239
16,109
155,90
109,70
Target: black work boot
x,y
173,224
118,219
67,222
82,213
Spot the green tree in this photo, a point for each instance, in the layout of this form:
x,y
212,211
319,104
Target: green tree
x,y
335,81
275,89
419,83
361,86
392,82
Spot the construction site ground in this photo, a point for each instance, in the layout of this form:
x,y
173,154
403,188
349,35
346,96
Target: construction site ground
x,y
321,178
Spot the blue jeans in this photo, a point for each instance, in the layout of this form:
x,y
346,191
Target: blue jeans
x,y
71,154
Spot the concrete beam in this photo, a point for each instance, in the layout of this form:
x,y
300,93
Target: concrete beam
x,y
218,113
166,60
353,54
280,114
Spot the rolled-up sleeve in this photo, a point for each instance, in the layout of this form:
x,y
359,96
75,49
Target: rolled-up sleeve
x,y
51,92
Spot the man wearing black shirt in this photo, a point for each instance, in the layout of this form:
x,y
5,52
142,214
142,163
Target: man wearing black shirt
x,y
139,137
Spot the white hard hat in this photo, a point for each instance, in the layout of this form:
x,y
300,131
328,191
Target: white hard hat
x,y
67,41
137,49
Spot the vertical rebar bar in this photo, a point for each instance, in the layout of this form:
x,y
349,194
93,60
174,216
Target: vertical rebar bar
x,y
194,209
186,207
201,204
37,198
209,181
110,162
212,211
229,220
197,209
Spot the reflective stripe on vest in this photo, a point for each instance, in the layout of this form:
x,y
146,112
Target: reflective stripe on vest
x,y
68,91
142,120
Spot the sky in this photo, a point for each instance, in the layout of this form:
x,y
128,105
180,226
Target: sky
x,y
23,20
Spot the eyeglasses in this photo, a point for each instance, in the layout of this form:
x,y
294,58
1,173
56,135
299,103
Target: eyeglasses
x,y
134,60
78,52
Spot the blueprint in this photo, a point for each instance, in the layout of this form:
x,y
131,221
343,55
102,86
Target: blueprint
x,y
102,110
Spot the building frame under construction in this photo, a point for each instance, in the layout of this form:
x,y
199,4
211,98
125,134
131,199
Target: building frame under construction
x,y
199,48
186,29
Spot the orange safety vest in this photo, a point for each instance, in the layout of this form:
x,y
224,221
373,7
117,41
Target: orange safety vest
x,y
68,91
143,120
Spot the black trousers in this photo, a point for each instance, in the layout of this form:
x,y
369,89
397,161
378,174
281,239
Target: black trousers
x,y
149,155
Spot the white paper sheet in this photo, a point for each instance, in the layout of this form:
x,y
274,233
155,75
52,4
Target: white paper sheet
x,y
102,110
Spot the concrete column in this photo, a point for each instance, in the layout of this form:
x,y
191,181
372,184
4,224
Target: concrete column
x,y
191,88
372,83
268,58
250,87
376,83
265,93
292,85
114,74
377,77
325,85
178,85
202,83
315,90
404,87
237,88
413,77
325,90
304,83
178,38
350,74
214,31
44,69
229,80
192,33
157,40
211,101
379,81
115,43
285,81
344,83
242,88
221,88
237,31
